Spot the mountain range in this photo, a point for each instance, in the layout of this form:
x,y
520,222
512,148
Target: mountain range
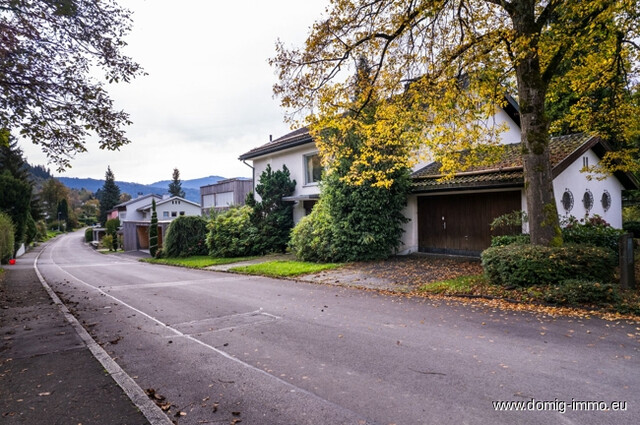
x,y
191,187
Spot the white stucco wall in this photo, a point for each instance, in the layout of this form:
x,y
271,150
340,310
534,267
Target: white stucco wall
x,y
176,206
132,213
577,182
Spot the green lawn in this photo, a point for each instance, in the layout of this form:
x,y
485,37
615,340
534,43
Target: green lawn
x,y
196,262
281,268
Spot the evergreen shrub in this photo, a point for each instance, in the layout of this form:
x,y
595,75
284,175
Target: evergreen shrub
x,y
527,265
7,238
231,233
185,237
88,235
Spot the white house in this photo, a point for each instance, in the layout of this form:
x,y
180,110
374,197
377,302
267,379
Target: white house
x,y
453,216
135,218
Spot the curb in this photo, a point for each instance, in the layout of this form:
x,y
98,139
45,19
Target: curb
x,y
149,409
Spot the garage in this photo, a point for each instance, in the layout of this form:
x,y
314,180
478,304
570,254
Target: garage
x,y
460,223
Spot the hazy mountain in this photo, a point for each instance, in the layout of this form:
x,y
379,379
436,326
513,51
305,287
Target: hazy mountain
x,y
190,184
192,190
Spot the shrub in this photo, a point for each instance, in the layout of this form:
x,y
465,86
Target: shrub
x,y
112,227
185,237
632,227
231,233
42,230
311,239
88,235
107,241
504,240
594,231
527,265
7,238
576,292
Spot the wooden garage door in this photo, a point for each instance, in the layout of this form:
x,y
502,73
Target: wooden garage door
x,y
459,224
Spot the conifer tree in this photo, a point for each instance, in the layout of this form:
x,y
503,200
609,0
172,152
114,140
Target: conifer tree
x,y
109,195
175,187
153,230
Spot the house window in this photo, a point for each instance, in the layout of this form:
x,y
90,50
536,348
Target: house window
x,y
567,200
181,212
606,200
224,199
165,214
587,200
585,162
312,168
174,214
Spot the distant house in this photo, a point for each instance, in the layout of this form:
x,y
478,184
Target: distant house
x,y
225,193
453,216
135,218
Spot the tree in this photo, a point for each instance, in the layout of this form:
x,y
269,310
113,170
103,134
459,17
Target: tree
x,y
175,187
272,216
63,214
153,230
7,241
15,187
52,192
441,68
50,52
109,195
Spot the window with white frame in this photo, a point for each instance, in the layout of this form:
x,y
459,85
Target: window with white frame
x,y
224,199
312,168
165,214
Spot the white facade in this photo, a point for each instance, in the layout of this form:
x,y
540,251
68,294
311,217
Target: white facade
x,y
168,209
295,160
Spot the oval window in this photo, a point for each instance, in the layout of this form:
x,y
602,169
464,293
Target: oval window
x,y
606,200
587,200
567,200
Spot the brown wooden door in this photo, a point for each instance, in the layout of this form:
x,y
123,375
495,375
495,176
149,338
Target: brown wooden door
x,y
460,223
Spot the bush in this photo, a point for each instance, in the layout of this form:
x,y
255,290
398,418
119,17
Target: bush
x,y
231,233
579,292
107,241
594,231
185,237
7,238
311,239
112,227
88,235
42,230
632,227
504,240
527,265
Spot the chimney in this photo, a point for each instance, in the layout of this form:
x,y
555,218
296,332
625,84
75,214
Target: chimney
x,y
271,138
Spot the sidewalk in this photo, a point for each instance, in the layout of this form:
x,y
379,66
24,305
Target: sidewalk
x,y
48,375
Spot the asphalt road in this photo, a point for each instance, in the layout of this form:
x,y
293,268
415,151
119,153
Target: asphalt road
x,y
224,348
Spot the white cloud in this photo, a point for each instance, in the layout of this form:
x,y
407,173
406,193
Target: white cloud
x,y
207,98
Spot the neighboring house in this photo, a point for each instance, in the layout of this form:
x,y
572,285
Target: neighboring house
x,y
453,216
224,193
298,152
135,218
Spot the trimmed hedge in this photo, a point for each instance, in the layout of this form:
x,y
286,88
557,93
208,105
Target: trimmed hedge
x,y
231,233
88,235
504,240
528,265
185,237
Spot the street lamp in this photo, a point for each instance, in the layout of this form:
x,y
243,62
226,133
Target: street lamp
x,y
59,220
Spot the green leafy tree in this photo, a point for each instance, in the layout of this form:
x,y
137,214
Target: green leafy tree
x,y
109,195
6,238
153,230
440,70
15,200
52,192
271,216
48,90
15,187
175,187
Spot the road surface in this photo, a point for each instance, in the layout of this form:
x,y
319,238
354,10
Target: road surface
x,y
224,348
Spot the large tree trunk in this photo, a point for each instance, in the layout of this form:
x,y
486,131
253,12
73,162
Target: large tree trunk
x,y
544,225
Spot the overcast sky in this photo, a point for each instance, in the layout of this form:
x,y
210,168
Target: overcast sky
x,y
207,98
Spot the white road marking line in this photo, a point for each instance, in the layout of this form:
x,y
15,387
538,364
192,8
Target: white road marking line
x,y
293,388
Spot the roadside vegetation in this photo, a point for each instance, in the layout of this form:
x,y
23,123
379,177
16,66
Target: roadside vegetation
x,y
196,261
284,268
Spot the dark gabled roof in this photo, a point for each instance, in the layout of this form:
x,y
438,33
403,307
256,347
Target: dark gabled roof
x,y
508,171
290,140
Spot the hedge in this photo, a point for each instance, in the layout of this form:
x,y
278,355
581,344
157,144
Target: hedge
x,y
527,265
